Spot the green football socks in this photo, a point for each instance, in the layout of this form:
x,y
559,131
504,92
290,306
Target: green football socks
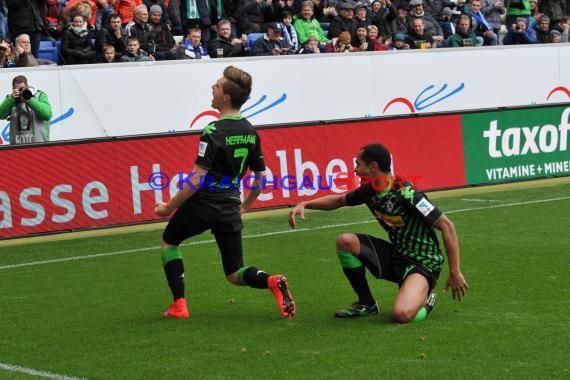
x,y
174,271
253,277
355,272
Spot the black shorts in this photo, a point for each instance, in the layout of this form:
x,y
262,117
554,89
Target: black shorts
x,y
386,264
223,219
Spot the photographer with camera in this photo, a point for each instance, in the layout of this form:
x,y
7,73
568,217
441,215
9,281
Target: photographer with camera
x,y
520,34
29,112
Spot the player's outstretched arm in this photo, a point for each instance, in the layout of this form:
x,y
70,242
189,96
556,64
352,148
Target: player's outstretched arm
x,y
329,202
455,280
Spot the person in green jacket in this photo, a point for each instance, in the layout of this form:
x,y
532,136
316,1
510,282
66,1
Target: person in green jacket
x,y
464,36
306,24
29,112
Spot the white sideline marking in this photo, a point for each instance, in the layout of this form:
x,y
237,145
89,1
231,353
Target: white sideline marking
x,y
34,372
65,259
479,200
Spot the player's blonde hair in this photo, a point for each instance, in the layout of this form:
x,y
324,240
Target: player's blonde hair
x,y
237,86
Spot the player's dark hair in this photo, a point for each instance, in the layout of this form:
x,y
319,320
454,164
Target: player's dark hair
x,y
237,86
19,79
379,154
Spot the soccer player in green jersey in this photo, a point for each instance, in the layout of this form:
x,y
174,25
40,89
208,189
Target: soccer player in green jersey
x,y
412,258
210,197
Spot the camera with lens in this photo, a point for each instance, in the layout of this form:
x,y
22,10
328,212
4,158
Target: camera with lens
x,y
27,93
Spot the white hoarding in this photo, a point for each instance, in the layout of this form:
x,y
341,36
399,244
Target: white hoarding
x,y
157,97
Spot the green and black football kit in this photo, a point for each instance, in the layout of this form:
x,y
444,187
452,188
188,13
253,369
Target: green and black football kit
x,y
228,147
409,218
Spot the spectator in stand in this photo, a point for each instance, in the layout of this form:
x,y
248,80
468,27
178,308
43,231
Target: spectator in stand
x,y
340,44
418,38
289,33
76,43
554,9
3,19
480,26
520,34
400,23
361,15
109,55
134,52
307,25
399,42
53,21
378,42
564,28
163,7
311,46
555,36
518,9
196,13
271,43
362,42
126,9
382,13
173,10
535,13
431,26
494,12
324,11
192,46
104,10
87,8
140,28
23,52
226,43
7,54
446,23
344,21
163,39
27,17
255,15
434,7
111,34
283,7
464,35
224,10
542,30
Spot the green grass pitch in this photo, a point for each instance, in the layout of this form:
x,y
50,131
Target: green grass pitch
x,y
89,305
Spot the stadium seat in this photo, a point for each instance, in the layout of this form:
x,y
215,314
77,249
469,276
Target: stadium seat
x,y
252,37
49,50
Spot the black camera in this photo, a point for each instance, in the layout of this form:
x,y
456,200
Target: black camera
x,y
27,93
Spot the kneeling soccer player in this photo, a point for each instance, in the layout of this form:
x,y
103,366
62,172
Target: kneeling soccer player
x,y
412,258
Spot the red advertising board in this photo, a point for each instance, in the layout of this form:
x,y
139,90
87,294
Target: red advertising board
x,y
100,183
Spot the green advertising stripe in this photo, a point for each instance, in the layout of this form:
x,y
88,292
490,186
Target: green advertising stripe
x,y
518,144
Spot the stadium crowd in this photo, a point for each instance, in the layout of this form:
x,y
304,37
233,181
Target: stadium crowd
x,y
97,31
